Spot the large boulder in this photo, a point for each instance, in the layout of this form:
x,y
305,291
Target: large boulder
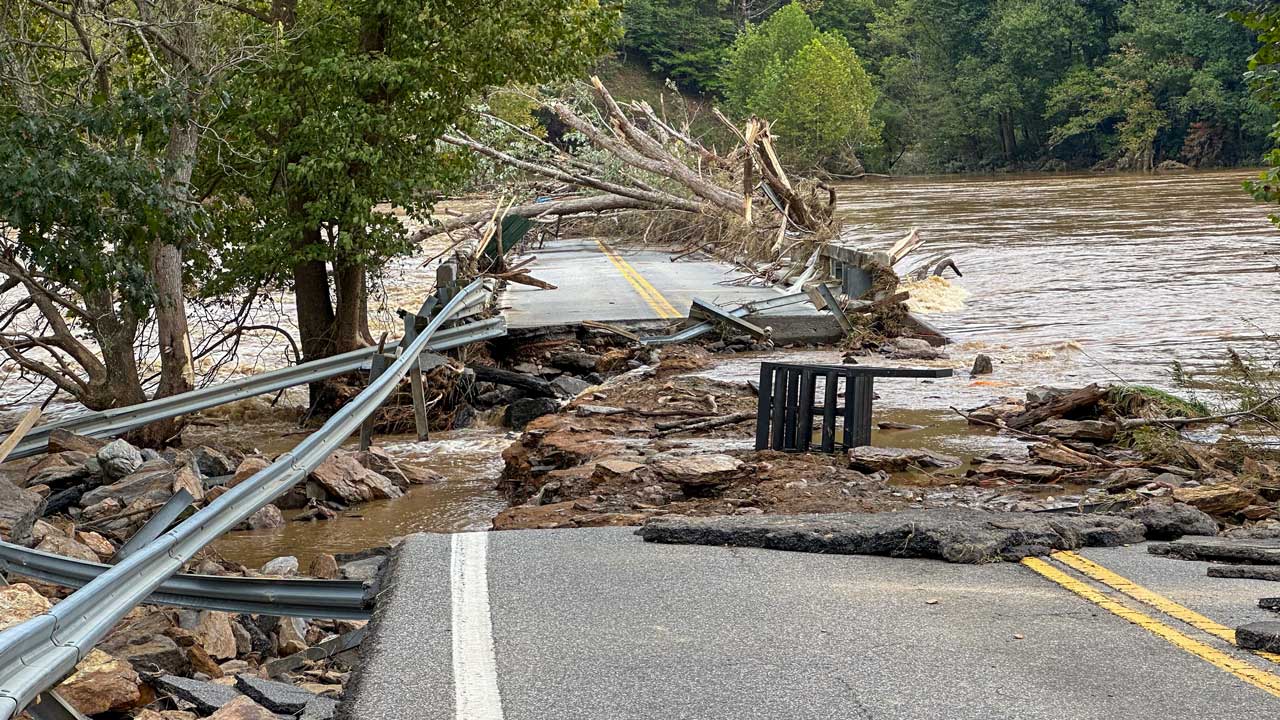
x,y
61,471
62,545
211,462
213,628
403,474
118,459
19,510
525,410
697,470
20,602
347,481
265,518
286,566
149,653
1170,521
152,481
1082,430
62,440
102,683
1220,499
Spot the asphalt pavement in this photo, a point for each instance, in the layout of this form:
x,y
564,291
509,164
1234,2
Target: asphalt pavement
x,y
598,281
596,623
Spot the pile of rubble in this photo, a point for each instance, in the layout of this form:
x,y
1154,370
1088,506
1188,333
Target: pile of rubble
x,y
109,489
182,664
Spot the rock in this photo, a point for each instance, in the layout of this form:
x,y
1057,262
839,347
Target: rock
x,y
286,566
61,471
242,708
953,534
401,473
206,696
275,696
982,365
913,349
268,516
213,627
201,662
1220,499
323,566
1254,551
1083,430
1128,479
20,602
187,478
1056,455
101,546
149,653
869,458
291,635
347,481
19,510
315,511
1170,521
212,463
610,468
521,412
63,440
1019,471
152,481
567,386
247,468
259,641
66,547
320,708
1043,393
994,412
1172,166
118,459
363,570
696,470
578,362
101,683
1263,636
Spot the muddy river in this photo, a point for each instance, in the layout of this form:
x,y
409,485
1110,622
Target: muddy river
x,y
1067,279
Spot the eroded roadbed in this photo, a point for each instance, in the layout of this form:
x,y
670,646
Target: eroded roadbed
x,y
596,623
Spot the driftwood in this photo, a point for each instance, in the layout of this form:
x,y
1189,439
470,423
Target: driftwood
x,y
1057,407
675,427
655,166
533,385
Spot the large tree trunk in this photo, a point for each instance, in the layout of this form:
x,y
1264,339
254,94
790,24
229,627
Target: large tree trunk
x,y
352,318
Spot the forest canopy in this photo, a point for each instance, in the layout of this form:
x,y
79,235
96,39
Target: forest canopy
x,y
981,84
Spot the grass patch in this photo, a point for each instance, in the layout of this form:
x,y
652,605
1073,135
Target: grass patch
x,y
1157,442
1147,401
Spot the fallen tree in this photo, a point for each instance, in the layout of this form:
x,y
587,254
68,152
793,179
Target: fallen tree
x,y
741,205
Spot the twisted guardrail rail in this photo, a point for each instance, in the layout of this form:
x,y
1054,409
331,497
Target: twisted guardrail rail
x,y
37,654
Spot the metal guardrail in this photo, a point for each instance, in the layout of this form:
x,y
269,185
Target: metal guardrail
x,y
341,599
37,654
108,423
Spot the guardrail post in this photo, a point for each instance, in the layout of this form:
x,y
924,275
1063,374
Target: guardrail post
x,y
158,523
417,386
377,366
446,281
50,706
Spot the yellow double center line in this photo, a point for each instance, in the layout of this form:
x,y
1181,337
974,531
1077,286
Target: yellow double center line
x,y
642,287
1241,669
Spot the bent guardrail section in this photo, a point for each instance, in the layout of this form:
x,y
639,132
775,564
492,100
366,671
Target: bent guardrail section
x,y
37,654
297,597
107,423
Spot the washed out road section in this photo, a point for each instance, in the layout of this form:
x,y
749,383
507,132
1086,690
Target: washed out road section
x,y
599,281
596,623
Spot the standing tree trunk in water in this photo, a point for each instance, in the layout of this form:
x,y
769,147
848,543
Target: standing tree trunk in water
x,y
352,325
1008,143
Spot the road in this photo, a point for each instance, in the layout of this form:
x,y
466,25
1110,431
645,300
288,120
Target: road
x,y
595,624
595,281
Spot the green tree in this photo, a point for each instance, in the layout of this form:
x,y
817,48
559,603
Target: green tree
x,y
338,125
809,84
